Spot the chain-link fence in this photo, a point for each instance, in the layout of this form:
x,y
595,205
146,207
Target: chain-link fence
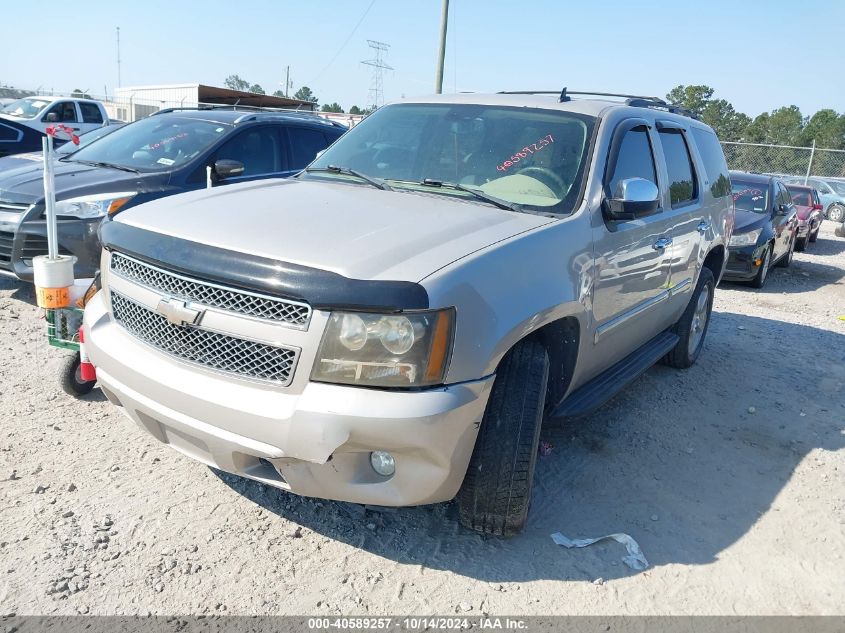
x,y
785,159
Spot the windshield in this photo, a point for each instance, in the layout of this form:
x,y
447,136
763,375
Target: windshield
x,y
801,196
750,196
528,157
85,139
838,187
157,143
25,108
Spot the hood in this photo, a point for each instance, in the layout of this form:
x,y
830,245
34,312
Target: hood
x,y
25,184
18,161
354,230
748,221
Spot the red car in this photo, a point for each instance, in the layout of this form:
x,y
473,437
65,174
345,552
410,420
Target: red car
x,y
810,214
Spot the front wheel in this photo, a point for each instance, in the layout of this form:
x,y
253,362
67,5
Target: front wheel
x,y
760,278
786,260
496,491
691,328
836,213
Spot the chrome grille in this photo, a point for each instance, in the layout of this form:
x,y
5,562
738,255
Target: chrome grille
x,y
211,295
214,350
13,207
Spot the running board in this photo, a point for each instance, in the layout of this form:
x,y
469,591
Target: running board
x,y
607,384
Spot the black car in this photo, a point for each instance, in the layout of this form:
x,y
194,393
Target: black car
x,y
765,230
25,159
162,155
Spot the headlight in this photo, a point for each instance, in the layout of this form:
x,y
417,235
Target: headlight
x,y
745,239
386,350
95,206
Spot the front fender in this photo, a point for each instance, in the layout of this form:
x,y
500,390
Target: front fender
x,y
510,289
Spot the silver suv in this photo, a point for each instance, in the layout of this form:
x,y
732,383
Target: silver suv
x,y
392,326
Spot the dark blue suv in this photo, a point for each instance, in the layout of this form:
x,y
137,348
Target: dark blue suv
x,y
164,154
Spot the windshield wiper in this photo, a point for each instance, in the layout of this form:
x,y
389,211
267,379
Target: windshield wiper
x,y
99,163
334,169
502,204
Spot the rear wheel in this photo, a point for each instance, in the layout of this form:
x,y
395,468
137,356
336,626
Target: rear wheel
x,y
815,234
691,328
496,491
836,213
763,273
801,242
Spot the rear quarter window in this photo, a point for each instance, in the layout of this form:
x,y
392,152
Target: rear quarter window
x,y
90,113
714,162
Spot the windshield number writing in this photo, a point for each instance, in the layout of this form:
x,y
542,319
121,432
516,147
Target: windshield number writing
x,y
525,152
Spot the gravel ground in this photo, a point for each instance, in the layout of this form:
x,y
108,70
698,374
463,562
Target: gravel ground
x,y
730,475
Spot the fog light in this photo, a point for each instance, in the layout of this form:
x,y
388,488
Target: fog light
x,y
382,462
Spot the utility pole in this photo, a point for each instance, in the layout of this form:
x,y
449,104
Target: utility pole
x,y
118,57
287,79
441,51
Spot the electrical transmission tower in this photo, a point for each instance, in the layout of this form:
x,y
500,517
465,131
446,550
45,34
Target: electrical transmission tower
x,y
376,94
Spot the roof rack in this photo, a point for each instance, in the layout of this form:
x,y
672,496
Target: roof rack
x,y
234,106
637,101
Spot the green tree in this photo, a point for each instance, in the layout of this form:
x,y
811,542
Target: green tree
x,y
280,93
693,98
786,125
331,107
255,88
234,82
728,124
305,94
355,110
827,128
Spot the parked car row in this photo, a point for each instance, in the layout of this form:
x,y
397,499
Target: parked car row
x,y
162,155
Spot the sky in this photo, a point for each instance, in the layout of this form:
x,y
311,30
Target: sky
x,y
758,55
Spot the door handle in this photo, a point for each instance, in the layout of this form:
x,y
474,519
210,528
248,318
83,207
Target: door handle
x,y
662,243
703,226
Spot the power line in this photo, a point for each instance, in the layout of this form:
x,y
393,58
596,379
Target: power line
x,y
346,41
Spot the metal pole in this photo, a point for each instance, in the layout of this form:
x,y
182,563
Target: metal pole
x,y
441,51
810,165
50,198
118,57
287,80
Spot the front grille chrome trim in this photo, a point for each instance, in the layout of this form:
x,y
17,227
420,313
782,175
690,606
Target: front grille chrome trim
x,y
218,352
245,303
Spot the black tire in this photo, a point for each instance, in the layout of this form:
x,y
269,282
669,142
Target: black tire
x,y
763,273
815,234
801,242
836,213
689,327
785,260
72,383
496,491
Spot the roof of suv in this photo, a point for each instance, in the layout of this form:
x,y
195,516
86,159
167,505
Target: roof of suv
x,y
588,105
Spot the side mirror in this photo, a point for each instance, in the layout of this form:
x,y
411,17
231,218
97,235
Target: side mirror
x,y
633,198
52,117
781,209
227,168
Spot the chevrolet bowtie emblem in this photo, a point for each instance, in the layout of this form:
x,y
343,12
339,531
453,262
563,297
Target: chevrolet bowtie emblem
x,y
177,313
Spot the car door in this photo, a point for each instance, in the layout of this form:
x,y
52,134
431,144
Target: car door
x,y
783,220
63,112
91,117
684,204
631,258
260,151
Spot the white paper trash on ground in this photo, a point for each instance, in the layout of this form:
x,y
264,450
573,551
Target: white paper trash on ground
x,y
634,559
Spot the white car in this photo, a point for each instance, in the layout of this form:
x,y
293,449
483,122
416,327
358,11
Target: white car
x,y
81,115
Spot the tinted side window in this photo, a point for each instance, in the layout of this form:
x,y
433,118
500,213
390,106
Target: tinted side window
x,y
8,133
258,150
90,113
65,111
714,162
682,184
305,143
635,159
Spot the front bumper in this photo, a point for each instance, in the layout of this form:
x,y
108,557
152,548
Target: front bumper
x,y
743,263
21,239
316,442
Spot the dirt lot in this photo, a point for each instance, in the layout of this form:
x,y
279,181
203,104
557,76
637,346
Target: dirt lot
x,y
730,475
